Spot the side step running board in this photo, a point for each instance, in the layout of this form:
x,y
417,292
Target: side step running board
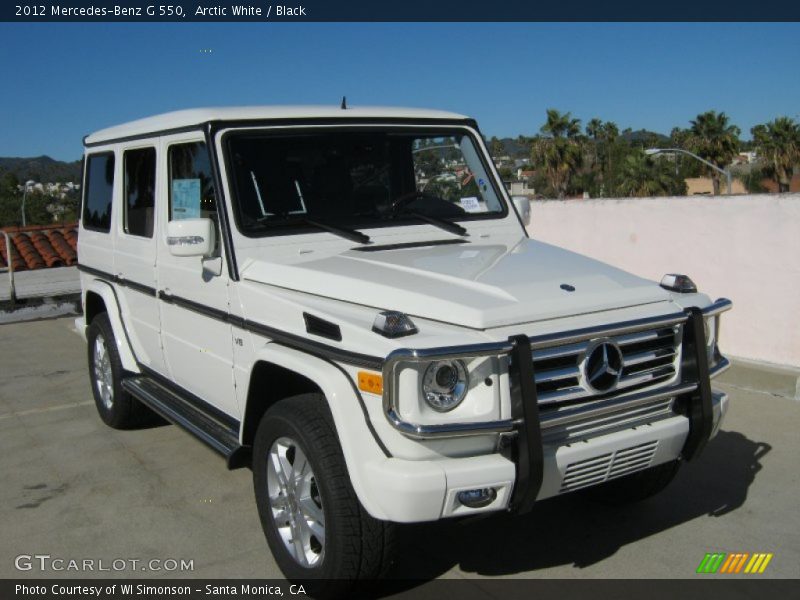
x,y
180,412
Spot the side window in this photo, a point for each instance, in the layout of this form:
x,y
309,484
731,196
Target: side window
x,y
191,185
99,191
140,191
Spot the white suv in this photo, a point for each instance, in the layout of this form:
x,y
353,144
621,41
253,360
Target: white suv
x,y
346,301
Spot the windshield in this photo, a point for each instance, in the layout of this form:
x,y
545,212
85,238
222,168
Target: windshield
x,y
357,179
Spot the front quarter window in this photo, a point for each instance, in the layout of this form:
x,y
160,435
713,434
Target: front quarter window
x,y
356,179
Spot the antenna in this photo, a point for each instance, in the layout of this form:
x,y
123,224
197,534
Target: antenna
x,y
344,103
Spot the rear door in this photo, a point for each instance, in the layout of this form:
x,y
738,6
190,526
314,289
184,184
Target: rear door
x,y
135,251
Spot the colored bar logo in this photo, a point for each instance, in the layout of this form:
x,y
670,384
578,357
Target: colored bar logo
x,y
735,562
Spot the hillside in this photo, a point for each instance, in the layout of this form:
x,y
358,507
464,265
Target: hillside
x,y
41,169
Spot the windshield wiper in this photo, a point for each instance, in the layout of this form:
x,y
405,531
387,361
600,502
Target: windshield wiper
x,y
345,232
438,222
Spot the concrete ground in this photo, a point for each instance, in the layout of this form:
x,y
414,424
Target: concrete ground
x,y
74,489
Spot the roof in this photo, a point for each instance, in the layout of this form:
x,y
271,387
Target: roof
x,y
194,117
41,246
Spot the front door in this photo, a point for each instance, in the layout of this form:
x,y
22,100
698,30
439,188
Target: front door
x,y
197,340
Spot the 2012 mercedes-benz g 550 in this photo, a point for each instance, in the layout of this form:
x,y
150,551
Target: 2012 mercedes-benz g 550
x,y
347,301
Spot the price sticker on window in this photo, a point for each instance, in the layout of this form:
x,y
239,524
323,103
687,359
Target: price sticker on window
x,y
471,204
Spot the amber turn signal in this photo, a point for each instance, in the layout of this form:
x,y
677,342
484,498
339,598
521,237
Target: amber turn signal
x,y
370,382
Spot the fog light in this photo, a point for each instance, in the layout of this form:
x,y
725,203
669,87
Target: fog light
x,y
477,498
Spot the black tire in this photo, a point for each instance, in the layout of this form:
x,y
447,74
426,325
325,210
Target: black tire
x,y
121,410
357,548
636,487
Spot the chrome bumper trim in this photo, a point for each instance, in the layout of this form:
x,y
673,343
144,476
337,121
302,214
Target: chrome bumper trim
x,y
723,365
601,408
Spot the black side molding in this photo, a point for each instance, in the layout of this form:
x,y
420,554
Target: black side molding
x,y
525,413
695,369
290,340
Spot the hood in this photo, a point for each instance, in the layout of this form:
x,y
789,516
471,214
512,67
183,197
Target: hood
x,y
469,284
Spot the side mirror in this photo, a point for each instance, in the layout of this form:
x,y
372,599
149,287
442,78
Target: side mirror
x,y
191,237
523,206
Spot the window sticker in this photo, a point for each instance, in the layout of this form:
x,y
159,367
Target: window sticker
x,y
471,204
185,199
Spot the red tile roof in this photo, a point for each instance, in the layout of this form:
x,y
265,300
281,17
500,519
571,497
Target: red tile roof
x,y
41,246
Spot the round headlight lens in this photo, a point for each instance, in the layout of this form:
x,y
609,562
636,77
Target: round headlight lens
x,y
444,384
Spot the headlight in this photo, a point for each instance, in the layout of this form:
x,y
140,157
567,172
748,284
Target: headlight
x,y
444,384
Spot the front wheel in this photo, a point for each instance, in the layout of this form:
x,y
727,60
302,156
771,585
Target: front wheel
x,y
318,531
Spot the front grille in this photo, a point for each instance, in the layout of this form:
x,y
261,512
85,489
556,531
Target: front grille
x,y
598,469
649,359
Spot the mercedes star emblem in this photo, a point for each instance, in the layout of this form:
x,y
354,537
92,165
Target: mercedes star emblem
x,y
602,366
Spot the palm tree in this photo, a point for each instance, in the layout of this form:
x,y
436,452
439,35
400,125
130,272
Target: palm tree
x,y
778,144
609,132
559,150
594,129
641,176
713,138
561,125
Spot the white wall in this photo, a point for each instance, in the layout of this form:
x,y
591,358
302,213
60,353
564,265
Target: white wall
x,y
746,248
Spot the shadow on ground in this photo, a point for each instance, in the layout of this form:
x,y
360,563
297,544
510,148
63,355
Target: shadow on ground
x,y
574,530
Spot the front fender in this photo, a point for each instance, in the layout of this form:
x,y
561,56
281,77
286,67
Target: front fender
x,y
361,450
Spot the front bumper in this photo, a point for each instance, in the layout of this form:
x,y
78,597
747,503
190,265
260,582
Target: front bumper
x,y
414,491
536,466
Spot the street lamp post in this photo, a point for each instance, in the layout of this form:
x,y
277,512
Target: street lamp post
x,y
728,178
24,196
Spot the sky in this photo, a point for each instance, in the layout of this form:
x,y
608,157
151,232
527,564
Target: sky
x,y
62,81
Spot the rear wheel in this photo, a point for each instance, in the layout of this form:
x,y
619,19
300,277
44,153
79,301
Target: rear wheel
x,y
636,487
116,407
318,531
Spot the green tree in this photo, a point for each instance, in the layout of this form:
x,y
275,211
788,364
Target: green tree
x,y
641,176
495,148
8,184
609,136
594,129
777,143
36,212
559,150
713,137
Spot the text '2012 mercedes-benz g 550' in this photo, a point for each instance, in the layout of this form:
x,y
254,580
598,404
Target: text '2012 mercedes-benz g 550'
x,y
347,301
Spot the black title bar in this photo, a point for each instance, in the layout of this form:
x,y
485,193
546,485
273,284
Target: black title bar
x,y
407,10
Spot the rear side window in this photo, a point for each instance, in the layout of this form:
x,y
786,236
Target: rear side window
x,y
140,191
99,192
